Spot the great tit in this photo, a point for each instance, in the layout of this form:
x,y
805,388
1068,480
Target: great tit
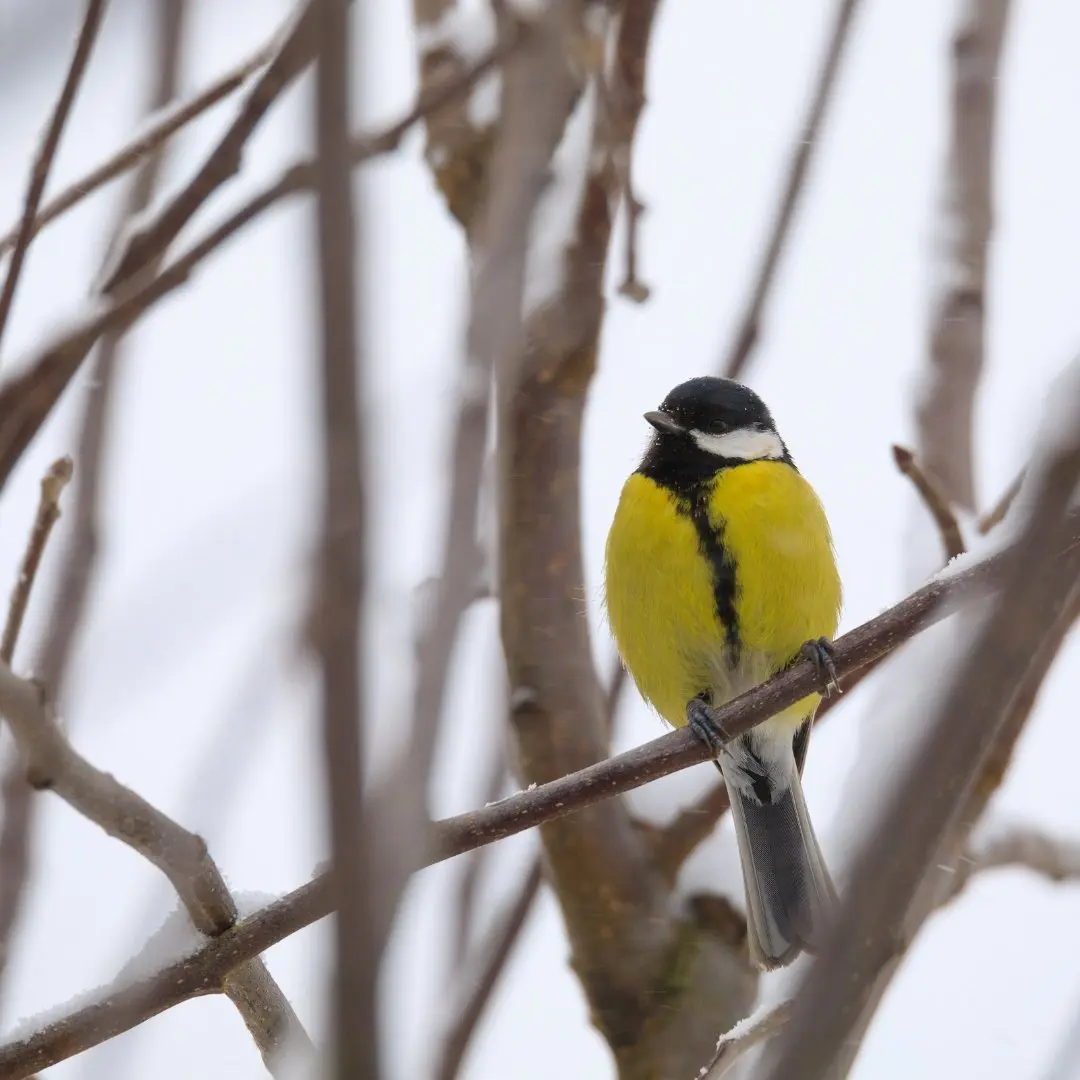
x,y
720,572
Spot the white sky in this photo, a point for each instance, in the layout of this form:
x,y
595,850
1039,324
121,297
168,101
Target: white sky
x,y
209,493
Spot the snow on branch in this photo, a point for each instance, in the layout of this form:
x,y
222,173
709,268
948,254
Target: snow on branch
x,y
53,764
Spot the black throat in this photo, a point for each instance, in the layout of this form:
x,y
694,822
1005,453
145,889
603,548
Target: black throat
x,y
677,463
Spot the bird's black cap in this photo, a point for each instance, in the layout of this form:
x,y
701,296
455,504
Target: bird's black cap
x,y
711,404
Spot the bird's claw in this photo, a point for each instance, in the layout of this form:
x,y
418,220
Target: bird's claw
x,y
820,653
702,722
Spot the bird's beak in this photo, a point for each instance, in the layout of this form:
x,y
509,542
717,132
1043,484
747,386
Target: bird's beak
x,y
665,424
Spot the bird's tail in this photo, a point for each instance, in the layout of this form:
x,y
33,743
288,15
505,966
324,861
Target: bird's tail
x,y
789,894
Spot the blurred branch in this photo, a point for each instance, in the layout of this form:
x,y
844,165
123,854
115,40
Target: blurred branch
x,y
339,599
161,127
996,515
956,353
28,398
153,236
743,1037
675,842
14,847
80,554
481,973
806,141
935,501
39,174
51,763
1054,858
48,513
918,817
204,970
464,901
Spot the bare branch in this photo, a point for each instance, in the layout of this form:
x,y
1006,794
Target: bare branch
x,y
1054,858
809,134
481,976
742,1038
935,500
339,599
676,841
27,399
919,816
150,140
293,55
14,835
48,513
51,763
204,971
39,174
996,515
947,400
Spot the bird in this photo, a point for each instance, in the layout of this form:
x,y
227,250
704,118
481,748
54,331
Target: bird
x,y
720,571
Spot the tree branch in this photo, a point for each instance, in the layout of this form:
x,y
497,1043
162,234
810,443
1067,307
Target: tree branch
x,y
27,399
743,1037
481,973
1054,858
14,847
181,856
162,127
806,141
339,601
39,174
935,500
204,970
915,821
946,404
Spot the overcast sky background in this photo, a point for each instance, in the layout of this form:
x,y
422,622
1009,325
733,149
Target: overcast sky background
x,y
189,685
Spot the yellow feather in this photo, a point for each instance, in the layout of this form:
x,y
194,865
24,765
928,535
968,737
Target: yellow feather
x,y
659,587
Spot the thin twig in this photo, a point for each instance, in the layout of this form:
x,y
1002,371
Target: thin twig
x,y
27,399
39,174
48,513
935,500
481,976
996,515
742,1038
809,134
946,405
163,127
339,599
14,836
205,969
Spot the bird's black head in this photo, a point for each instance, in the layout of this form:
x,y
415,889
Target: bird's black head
x,y
705,425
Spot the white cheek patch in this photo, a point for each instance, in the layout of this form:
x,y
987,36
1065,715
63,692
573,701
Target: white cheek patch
x,y
744,444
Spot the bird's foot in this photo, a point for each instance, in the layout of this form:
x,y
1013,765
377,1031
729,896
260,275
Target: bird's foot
x,y
820,653
702,722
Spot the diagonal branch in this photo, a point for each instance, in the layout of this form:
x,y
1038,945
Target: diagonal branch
x,y
917,818
27,399
39,174
162,127
14,836
806,142
481,975
935,500
743,1037
204,971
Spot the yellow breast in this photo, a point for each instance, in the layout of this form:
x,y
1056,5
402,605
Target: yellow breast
x,y
660,593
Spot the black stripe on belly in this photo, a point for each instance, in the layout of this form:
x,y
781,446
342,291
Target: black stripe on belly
x,y
695,506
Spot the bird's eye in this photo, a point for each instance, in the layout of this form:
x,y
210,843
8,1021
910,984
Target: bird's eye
x,y
718,426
